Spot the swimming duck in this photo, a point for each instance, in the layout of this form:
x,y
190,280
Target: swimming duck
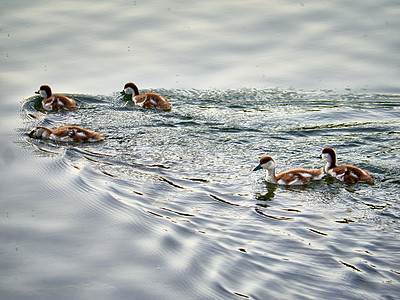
x,y
291,177
66,134
53,102
346,173
146,100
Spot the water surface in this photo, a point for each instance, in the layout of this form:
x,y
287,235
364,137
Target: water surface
x,y
167,206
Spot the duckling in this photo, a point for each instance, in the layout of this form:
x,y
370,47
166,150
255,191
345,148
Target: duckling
x,y
345,173
66,134
146,100
54,102
291,177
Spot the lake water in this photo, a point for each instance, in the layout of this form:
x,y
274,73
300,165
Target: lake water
x,y
167,206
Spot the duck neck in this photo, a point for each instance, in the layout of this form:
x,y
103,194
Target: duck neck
x,y
327,167
135,91
330,163
270,175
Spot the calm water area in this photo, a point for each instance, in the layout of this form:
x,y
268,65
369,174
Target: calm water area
x,y
167,206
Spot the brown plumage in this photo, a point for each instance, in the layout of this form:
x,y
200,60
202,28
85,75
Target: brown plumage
x,y
345,173
146,100
66,134
54,102
291,177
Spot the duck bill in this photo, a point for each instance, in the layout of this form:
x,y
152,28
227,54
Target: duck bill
x,y
32,133
257,168
37,92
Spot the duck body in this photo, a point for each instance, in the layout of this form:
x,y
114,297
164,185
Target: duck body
x,y
74,134
146,100
345,173
291,177
55,102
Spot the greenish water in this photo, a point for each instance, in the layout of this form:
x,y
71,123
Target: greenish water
x,y
167,206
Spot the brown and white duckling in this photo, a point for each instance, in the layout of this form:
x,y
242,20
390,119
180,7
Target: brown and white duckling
x,y
66,134
345,173
54,102
291,177
146,100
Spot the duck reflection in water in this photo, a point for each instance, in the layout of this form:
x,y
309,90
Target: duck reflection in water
x,y
268,196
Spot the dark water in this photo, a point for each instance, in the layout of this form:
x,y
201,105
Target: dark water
x,y
167,206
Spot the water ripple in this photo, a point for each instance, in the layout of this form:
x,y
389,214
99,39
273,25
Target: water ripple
x,y
170,197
